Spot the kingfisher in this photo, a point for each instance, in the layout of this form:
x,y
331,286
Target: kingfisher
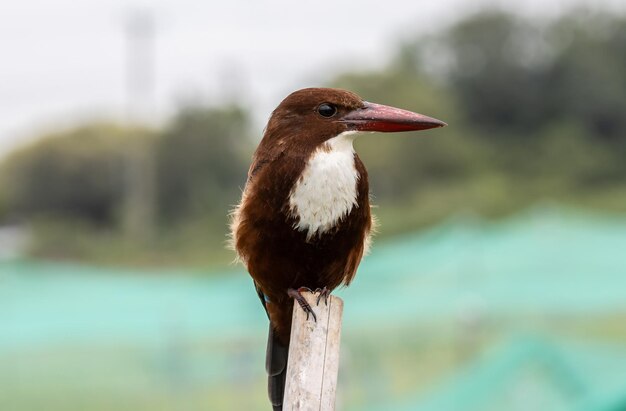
x,y
304,220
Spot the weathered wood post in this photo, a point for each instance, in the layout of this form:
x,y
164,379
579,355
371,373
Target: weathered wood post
x,y
314,356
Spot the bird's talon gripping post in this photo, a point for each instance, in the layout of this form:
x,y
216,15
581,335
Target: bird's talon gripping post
x,y
324,292
296,295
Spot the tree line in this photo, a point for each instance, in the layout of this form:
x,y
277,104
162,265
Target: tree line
x,y
536,112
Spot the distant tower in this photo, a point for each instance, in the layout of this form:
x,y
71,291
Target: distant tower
x,y
140,66
139,210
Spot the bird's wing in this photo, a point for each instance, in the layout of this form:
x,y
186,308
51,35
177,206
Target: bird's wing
x,y
260,160
255,167
262,297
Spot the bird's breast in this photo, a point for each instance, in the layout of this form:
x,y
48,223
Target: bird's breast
x,y
326,191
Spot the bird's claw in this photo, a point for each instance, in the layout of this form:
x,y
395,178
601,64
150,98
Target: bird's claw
x,y
324,292
296,295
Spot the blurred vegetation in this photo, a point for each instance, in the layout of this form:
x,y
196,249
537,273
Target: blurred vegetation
x,y
202,162
536,112
78,174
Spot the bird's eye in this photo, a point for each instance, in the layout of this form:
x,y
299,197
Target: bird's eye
x,y
327,110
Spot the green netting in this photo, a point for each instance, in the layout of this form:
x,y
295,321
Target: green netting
x,y
540,264
536,262
530,373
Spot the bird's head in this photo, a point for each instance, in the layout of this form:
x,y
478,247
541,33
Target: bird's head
x,y
311,116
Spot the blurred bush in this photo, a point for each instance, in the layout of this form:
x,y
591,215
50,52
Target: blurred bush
x,y
73,188
536,111
77,174
202,160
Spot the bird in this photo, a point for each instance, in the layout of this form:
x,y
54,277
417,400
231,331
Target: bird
x,y
304,220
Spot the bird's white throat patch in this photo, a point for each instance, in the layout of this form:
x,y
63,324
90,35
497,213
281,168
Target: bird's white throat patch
x,y
326,191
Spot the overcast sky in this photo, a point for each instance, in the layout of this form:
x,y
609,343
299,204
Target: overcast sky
x,y
63,61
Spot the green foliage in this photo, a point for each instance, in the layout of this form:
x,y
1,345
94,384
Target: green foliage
x,y
516,77
496,70
586,80
72,187
79,173
202,162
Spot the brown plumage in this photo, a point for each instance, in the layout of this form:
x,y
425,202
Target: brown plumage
x,y
288,236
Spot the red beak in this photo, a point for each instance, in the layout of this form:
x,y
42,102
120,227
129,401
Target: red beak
x,y
385,119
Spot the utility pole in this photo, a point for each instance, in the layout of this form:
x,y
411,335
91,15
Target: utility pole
x,y
140,184
140,65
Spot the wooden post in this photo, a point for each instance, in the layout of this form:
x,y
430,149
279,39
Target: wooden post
x,y
314,356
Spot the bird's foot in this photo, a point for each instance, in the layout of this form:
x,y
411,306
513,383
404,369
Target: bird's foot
x,y
296,295
324,292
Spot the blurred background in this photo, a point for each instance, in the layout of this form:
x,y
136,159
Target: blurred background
x,y
497,280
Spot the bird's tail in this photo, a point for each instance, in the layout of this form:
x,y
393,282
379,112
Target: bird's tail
x,y
276,367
